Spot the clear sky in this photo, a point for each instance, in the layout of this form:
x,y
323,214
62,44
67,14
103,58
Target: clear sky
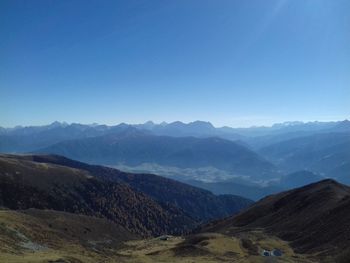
x,y
231,62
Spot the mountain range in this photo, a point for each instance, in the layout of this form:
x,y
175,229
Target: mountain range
x,y
326,153
54,209
135,147
198,152
33,137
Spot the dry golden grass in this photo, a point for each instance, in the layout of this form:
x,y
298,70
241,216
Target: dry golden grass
x,y
208,247
58,245
53,236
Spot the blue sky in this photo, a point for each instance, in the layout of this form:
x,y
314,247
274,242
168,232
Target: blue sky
x,y
231,62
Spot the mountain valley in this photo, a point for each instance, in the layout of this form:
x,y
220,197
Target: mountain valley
x,y
174,193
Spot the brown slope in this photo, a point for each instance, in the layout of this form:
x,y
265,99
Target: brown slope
x,y
196,202
314,218
54,229
26,184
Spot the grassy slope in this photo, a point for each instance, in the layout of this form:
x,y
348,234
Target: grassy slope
x,y
314,218
43,235
65,237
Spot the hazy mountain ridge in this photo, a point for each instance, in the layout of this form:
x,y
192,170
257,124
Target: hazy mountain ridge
x,y
299,179
64,131
239,187
184,152
202,128
321,153
25,139
261,152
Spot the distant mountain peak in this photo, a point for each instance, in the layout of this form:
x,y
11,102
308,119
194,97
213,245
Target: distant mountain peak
x,y
149,123
176,123
343,124
56,124
287,124
195,125
204,124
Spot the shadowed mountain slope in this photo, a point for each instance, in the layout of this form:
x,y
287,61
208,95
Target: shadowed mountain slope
x,y
24,139
200,204
26,184
314,218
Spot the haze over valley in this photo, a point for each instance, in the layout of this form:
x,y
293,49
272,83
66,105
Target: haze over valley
x,y
261,160
194,131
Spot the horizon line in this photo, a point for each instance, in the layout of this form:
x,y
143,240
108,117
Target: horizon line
x,y
296,122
